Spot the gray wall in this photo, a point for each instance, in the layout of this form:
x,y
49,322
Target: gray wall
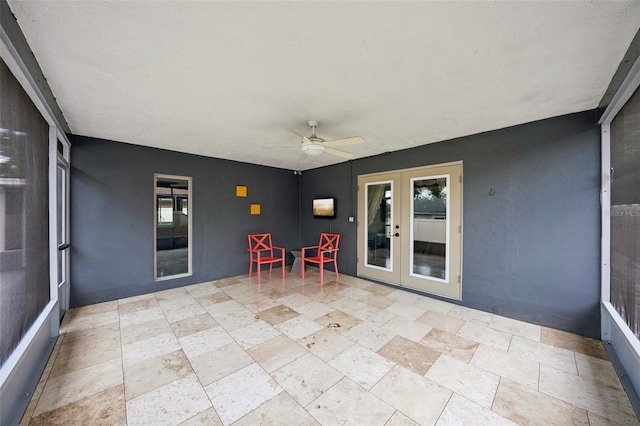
x,y
532,250
112,207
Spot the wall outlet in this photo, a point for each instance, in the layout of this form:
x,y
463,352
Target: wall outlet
x,y
351,219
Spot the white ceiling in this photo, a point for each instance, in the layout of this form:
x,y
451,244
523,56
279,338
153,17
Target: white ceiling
x,y
225,79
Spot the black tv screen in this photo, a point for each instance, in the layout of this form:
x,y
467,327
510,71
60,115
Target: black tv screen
x,y
324,207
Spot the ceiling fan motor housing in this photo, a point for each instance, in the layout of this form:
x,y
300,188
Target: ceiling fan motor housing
x,y
313,148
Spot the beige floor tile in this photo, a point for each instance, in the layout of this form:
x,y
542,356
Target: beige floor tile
x,y
450,344
294,300
466,380
573,342
495,339
204,341
325,343
435,305
596,420
73,356
202,289
382,290
219,362
254,334
528,407
85,321
126,306
348,403
399,419
172,403
473,316
298,327
314,310
276,352
597,370
461,411
374,316
180,312
361,365
584,393
156,372
90,336
405,296
279,410
406,328
79,384
369,335
354,293
138,317
193,325
223,308
152,347
513,367
206,418
377,301
519,328
236,320
239,393
441,321
302,386
347,305
97,308
552,356
277,314
261,304
399,389
142,331
171,294
339,321
406,310
213,299
105,407
409,354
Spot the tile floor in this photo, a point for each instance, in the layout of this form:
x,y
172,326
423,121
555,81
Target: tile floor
x,y
295,352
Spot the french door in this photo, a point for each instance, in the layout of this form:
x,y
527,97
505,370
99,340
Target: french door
x,y
410,228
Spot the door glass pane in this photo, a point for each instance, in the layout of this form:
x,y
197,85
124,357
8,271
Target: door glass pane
x,y
172,226
429,226
379,219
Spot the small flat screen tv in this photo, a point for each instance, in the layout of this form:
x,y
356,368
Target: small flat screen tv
x,y
324,207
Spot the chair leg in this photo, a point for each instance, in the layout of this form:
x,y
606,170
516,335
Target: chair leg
x,y
302,261
259,265
250,267
335,266
283,268
321,272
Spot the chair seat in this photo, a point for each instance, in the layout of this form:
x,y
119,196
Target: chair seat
x,y
270,259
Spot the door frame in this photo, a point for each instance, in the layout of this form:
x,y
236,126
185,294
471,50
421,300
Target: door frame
x,y
400,273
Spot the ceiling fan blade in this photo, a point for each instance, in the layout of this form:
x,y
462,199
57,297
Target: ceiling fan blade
x,y
345,141
303,157
339,153
298,134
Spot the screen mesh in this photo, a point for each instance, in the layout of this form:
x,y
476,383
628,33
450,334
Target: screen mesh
x,y
24,217
625,213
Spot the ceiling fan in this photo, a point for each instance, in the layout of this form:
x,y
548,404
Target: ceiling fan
x,y
313,145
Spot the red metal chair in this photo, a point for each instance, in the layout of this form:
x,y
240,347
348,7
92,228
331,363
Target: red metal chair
x,y
326,251
261,251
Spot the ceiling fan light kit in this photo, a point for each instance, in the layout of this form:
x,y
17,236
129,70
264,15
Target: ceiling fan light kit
x,y
314,145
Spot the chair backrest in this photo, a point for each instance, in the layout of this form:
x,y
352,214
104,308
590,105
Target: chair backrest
x,y
260,242
329,242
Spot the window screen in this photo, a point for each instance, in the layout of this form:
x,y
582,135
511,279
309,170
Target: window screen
x,y
24,217
625,213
